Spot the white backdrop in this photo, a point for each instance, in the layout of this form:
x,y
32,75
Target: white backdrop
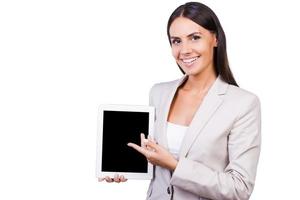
x,y
60,59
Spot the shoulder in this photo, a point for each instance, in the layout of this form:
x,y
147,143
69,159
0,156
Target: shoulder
x,y
240,94
241,100
163,86
234,95
160,91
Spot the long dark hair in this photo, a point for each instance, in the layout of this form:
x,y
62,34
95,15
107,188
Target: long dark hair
x,y
205,17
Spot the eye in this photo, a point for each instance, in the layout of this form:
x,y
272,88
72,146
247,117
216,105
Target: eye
x,y
175,41
196,37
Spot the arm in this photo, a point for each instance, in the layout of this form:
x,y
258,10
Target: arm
x,y
237,179
152,94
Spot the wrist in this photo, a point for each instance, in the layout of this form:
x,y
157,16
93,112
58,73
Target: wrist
x,y
173,164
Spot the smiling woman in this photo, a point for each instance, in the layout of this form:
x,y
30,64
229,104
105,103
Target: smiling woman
x,y
192,46
197,22
207,129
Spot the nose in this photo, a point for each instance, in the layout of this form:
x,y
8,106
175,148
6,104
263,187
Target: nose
x,y
185,48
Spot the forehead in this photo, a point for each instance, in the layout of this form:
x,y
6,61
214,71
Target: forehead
x,y
183,26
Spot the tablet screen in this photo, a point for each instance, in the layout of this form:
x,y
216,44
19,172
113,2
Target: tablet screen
x,y
119,128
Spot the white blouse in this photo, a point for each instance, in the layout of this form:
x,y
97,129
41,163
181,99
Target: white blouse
x,y
175,135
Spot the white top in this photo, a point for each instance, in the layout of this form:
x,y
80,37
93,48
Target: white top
x,y
175,135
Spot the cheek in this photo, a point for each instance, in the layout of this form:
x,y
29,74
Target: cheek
x,y
210,51
200,48
205,49
175,52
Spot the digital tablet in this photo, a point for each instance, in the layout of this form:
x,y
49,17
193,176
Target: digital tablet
x,y
117,126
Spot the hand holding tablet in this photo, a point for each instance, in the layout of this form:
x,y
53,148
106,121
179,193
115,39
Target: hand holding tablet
x,y
117,179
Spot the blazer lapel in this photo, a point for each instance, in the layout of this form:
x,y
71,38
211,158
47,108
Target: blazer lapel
x,y
210,104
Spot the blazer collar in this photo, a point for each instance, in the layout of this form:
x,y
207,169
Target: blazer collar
x,y
209,105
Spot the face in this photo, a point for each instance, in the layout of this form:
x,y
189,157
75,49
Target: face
x,y
192,46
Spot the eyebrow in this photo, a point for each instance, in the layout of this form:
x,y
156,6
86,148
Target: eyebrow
x,y
175,37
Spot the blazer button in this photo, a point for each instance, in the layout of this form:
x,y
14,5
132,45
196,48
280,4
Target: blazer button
x,y
168,190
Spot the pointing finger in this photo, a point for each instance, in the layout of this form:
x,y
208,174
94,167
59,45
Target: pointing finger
x,y
138,148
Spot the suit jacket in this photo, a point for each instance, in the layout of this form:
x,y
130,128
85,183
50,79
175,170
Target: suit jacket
x,y
220,151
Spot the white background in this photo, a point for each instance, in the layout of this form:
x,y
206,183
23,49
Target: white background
x,y
60,59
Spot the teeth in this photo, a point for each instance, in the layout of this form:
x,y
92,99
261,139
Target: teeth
x,y
189,60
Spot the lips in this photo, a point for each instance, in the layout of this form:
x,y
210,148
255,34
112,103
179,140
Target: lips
x,y
189,61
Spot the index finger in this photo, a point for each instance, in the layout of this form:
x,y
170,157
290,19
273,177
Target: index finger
x,y
138,148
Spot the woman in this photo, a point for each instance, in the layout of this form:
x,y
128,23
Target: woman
x,y
207,129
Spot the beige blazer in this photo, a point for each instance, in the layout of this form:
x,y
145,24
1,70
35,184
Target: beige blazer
x,y
220,151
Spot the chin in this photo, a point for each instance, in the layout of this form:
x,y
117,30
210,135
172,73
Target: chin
x,y
192,72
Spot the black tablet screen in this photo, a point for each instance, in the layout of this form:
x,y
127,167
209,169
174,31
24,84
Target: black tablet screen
x,y
119,128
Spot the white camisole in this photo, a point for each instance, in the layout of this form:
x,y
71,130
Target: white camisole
x,y
175,135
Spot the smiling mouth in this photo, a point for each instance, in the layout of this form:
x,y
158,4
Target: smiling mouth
x,y
189,61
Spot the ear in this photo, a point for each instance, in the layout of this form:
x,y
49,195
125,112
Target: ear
x,y
215,41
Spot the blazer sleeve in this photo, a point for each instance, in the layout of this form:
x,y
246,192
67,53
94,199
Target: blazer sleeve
x,y
151,97
237,179
153,94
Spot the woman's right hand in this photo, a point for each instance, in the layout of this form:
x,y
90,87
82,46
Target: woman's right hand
x,y
117,178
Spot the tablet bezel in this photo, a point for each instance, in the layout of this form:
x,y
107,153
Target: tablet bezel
x,y
128,108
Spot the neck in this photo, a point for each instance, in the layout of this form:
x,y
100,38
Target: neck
x,y
199,83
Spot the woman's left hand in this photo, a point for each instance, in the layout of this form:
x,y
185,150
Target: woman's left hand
x,y
155,154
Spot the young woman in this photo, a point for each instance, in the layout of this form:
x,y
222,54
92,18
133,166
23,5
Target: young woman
x,y
207,129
